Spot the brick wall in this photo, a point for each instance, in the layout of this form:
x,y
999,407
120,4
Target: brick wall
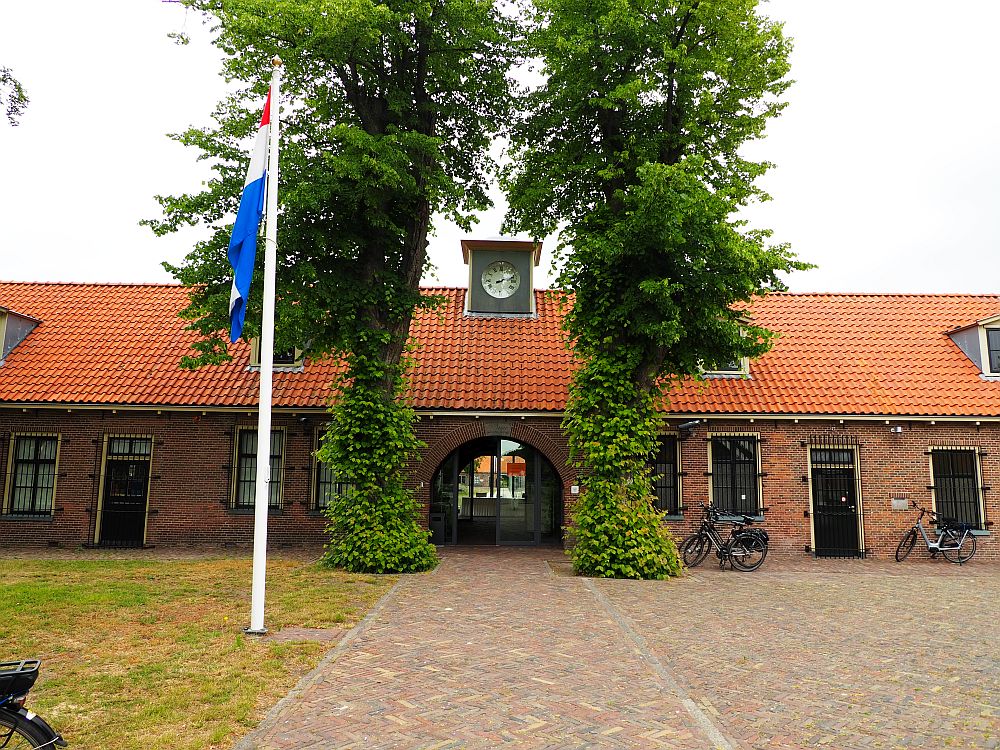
x,y
891,465
193,457
190,485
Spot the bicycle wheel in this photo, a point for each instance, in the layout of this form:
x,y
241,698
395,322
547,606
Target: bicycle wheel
x,y
747,552
906,545
18,734
957,546
695,549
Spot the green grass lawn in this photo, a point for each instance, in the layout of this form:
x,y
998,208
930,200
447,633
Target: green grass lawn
x,y
141,653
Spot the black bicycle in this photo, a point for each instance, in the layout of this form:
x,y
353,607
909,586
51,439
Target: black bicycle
x,y
745,549
19,727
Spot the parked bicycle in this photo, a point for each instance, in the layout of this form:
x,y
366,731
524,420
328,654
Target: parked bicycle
x,y
19,727
955,540
745,549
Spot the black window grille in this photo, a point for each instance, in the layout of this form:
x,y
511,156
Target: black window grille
x,y
327,486
666,497
246,468
956,485
735,476
33,476
120,446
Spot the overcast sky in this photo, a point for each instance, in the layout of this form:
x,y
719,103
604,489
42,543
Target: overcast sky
x,y
888,155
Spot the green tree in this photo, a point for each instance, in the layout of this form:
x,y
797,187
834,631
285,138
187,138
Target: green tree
x,y
13,97
631,148
390,108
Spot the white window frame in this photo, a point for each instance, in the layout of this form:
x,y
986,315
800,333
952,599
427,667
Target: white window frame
x,y
984,347
297,365
742,371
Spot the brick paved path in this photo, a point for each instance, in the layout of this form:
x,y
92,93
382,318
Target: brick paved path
x,y
499,648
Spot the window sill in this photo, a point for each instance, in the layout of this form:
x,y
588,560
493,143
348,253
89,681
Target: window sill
x,y
251,511
980,532
671,516
27,517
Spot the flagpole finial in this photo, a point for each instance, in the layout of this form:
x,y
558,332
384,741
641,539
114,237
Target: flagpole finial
x,y
276,61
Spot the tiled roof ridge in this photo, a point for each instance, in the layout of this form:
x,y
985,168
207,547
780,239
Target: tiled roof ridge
x,y
154,284
886,295
453,288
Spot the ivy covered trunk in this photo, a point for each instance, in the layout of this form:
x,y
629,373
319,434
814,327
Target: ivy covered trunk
x,y
374,526
612,427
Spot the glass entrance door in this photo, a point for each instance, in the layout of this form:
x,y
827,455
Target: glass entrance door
x,y
478,493
517,501
495,491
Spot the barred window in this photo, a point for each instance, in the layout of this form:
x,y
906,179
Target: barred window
x,y
246,468
327,486
33,475
735,478
956,485
666,495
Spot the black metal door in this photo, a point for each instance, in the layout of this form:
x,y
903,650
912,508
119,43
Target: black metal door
x,y
835,504
123,514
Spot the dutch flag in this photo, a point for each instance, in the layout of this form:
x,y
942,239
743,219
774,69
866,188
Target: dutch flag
x,y
243,244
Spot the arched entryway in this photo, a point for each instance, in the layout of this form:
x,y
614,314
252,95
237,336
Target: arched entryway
x,y
494,490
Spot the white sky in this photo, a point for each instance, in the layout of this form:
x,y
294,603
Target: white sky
x,y
888,155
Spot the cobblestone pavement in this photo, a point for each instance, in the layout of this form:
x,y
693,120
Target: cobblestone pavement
x,y
500,647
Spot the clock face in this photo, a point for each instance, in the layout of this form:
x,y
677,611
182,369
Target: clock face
x,y
501,279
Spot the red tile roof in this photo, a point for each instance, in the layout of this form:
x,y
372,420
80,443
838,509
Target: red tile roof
x,y
836,354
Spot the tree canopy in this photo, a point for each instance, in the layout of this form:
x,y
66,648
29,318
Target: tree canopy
x,y
389,112
632,150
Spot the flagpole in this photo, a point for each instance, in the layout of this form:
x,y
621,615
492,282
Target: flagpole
x,y
261,492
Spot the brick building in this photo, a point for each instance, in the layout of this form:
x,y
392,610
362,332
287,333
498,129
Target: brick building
x,y
865,403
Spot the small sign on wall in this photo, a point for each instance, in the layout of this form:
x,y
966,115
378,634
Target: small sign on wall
x,y
900,503
574,489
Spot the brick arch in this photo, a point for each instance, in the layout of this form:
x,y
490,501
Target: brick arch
x,y
440,449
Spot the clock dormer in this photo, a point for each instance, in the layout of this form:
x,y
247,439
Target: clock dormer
x,y
501,276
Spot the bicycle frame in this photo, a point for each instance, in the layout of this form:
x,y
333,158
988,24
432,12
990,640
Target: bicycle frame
x,y
937,546
721,545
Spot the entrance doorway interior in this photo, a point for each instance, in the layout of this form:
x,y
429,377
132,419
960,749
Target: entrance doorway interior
x,y
496,491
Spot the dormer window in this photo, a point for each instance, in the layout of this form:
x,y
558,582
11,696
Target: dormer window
x,y
980,342
14,328
736,369
290,359
993,349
